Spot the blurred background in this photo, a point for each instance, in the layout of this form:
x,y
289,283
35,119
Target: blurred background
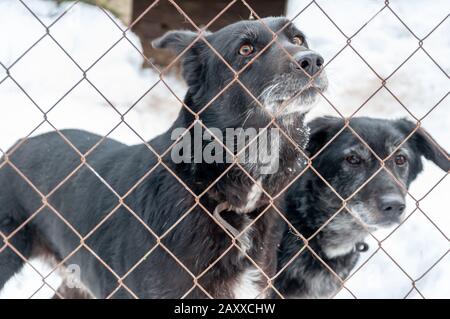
x,y
364,42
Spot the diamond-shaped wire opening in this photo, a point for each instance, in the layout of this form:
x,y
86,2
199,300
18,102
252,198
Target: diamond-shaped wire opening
x,y
20,102
343,90
164,108
80,107
31,285
397,279
55,78
153,260
388,37
102,35
20,45
429,202
118,84
437,288
416,261
432,48
437,84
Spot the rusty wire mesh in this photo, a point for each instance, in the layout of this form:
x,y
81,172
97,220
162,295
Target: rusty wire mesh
x,y
235,240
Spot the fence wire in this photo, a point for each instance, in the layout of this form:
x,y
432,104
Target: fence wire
x,y
7,239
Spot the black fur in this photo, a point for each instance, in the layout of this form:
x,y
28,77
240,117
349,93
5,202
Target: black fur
x,y
158,199
310,202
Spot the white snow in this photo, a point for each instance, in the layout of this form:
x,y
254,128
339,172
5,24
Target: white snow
x,y
86,33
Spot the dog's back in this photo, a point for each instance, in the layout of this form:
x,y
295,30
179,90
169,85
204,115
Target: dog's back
x,y
39,187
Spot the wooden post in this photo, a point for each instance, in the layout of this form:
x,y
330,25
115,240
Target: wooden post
x,y
164,17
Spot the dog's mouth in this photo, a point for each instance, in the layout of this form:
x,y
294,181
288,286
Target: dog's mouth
x,y
302,94
387,222
288,94
380,225
373,220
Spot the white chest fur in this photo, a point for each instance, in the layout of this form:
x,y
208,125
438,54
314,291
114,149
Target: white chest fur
x,y
253,197
247,285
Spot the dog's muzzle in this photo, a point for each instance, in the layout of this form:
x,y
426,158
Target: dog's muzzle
x,y
307,62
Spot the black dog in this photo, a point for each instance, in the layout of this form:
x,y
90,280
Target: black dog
x,y
145,199
346,163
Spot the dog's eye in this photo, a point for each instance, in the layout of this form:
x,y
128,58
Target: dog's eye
x,y
298,40
400,160
353,159
246,50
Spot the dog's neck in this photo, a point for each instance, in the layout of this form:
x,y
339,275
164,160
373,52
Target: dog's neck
x,y
238,183
309,212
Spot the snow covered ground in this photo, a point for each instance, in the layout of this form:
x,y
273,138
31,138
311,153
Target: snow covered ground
x,y
46,74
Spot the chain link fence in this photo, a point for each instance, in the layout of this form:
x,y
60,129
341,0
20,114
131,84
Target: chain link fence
x,y
196,278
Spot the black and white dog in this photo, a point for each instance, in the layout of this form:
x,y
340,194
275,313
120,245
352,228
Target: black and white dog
x,y
120,197
346,163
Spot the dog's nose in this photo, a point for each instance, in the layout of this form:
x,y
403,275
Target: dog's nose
x,y
393,205
307,61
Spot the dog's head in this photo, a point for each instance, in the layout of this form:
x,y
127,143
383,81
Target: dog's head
x,y
376,195
283,74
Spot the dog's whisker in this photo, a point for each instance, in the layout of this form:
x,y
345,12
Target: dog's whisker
x,y
249,113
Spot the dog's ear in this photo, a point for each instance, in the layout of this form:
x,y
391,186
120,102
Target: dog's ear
x,y
192,59
175,41
424,144
322,130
